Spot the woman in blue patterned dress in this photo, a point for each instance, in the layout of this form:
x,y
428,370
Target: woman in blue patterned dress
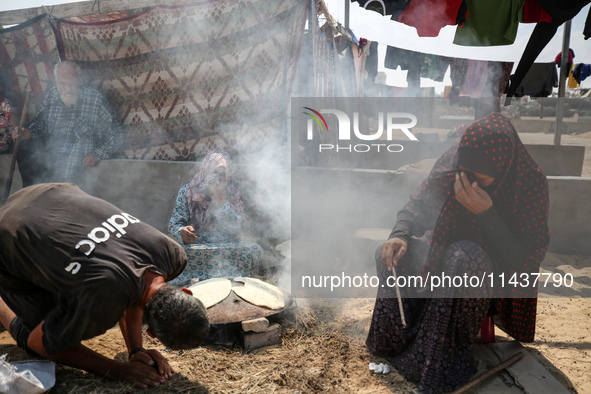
x,y
208,220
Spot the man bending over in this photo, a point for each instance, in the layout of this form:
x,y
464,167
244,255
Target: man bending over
x,y
72,266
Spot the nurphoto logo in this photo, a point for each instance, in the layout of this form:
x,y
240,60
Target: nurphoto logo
x,y
393,121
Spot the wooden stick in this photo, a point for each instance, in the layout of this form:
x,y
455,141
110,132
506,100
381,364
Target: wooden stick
x,y
359,234
8,184
488,374
400,306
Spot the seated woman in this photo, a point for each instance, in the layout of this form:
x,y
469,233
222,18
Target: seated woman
x,y
482,212
208,220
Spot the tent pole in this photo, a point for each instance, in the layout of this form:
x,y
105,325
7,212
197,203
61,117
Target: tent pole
x,y
347,4
562,82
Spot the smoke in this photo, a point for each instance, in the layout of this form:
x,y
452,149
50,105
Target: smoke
x,y
267,185
261,165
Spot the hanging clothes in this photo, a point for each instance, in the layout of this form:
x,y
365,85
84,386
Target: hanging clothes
x,y
490,23
587,28
563,10
428,66
406,60
371,68
430,16
446,91
423,64
569,62
427,16
573,82
434,66
486,78
575,71
560,11
585,71
403,58
539,81
344,73
359,57
476,77
442,63
499,74
534,13
459,67
371,63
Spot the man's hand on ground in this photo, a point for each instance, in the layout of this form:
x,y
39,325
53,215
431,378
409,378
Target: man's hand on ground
x,y
155,360
138,373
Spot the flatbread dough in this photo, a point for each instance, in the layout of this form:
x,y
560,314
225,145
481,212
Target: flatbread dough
x,y
212,291
260,293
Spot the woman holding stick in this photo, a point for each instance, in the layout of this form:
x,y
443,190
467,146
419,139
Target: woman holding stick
x,y
480,217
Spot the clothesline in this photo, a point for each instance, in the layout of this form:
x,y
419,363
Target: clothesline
x,y
470,77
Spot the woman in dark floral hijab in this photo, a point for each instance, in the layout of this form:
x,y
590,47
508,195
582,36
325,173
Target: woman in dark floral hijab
x,y
482,212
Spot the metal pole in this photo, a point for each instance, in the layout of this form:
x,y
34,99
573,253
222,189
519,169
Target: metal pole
x,y
562,83
347,3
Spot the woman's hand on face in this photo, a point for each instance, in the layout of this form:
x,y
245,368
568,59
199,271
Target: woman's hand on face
x,y
471,196
188,234
392,251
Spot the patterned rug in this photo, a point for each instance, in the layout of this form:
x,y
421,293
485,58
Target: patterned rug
x,y
27,54
190,78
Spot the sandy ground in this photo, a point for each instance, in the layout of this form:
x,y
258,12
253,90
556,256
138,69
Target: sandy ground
x,y
323,351
323,348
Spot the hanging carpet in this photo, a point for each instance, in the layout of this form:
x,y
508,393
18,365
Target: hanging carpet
x,y
28,53
190,78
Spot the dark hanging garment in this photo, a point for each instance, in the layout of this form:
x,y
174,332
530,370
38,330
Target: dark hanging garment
x,y
560,11
576,72
406,59
585,71
371,63
587,28
539,81
563,10
434,66
442,63
370,88
462,13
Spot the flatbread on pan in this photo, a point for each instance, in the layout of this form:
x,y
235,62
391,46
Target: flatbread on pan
x,y
212,291
260,293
